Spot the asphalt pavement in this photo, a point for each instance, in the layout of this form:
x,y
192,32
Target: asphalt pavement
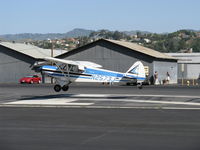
x,y
14,91
41,127
97,129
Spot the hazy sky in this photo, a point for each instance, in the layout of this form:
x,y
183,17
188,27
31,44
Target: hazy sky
x,y
59,16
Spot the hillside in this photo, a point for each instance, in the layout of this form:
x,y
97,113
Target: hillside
x,y
179,41
37,36
77,32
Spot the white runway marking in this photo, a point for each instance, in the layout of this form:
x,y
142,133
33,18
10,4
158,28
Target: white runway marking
x,y
159,102
53,101
103,101
128,95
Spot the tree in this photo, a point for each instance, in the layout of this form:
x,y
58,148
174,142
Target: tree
x,y
117,35
196,45
182,45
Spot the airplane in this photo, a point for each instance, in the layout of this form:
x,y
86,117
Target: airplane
x,y
67,71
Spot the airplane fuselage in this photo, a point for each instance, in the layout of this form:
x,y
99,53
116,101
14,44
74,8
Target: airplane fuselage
x,y
92,75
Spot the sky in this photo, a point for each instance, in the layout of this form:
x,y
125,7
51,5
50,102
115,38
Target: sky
x,y
61,16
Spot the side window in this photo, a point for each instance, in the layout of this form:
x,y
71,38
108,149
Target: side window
x,y
63,66
74,68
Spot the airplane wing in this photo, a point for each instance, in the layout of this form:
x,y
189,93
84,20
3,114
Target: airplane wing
x,y
80,64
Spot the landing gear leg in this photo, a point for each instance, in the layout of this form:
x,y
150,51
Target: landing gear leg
x,y
57,88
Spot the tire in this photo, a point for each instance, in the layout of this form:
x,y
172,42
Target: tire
x,y
57,88
65,88
139,86
31,82
128,84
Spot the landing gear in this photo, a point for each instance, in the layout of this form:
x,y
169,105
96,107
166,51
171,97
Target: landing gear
x,y
62,85
57,88
65,87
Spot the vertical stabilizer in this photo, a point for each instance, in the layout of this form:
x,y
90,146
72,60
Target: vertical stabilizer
x,y
137,69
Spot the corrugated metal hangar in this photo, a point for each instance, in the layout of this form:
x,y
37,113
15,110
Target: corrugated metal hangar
x,y
119,56
17,60
188,65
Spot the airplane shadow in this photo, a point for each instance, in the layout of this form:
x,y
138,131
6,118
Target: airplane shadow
x,y
48,97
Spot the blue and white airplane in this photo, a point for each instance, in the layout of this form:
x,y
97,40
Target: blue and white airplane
x,y
67,71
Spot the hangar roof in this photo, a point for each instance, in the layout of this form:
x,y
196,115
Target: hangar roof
x,y
189,58
142,49
31,50
134,47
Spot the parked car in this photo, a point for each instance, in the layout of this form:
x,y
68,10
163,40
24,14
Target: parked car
x,y
30,79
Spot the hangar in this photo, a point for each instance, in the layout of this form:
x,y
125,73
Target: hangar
x,y
17,60
188,65
119,56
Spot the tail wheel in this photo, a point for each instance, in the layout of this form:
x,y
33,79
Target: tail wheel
x,y
139,86
65,87
57,88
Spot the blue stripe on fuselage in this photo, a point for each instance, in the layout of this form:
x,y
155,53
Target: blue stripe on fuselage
x,y
102,72
74,76
49,67
112,74
71,76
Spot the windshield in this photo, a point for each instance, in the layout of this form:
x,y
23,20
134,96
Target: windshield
x,y
28,76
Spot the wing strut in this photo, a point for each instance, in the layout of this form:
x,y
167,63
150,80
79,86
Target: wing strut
x,y
67,81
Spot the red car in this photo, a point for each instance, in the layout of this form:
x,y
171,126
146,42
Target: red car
x,y
30,79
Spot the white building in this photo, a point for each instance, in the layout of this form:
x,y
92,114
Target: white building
x,y
188,65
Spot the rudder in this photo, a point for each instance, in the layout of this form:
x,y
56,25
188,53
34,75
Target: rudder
x,y
137,69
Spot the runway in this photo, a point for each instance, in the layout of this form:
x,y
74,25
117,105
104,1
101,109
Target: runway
x,y
109,101
98,96
82,129
99,117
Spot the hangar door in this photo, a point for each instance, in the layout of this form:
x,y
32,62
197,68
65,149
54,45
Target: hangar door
x,y
163,67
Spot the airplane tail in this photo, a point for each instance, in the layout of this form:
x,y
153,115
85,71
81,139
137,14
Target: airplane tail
x,y
137,69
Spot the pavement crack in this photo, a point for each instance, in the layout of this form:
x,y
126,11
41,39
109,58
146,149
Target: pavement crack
x,y
95,138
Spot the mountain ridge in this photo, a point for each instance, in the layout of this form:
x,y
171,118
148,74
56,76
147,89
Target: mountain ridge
x,y
77,32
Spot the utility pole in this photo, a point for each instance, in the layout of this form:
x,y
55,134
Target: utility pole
x,y
52,48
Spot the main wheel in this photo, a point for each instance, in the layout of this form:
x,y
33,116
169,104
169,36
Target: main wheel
x,y
57,88
65,87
